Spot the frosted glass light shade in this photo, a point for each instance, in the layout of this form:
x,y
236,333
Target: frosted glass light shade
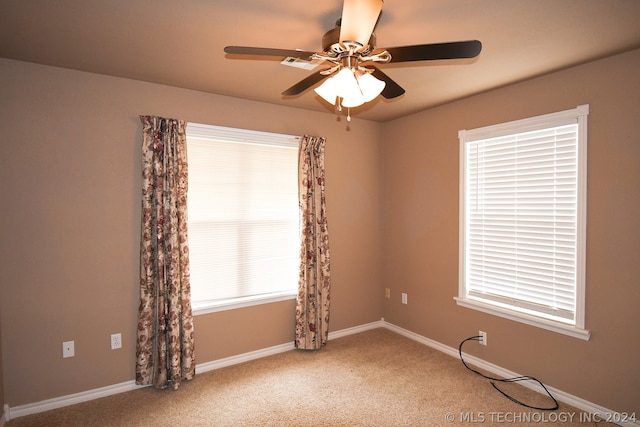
x,y
328,90
370,86
348,88
347,84
355,100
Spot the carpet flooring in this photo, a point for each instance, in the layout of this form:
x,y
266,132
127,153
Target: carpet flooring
x,y
374,378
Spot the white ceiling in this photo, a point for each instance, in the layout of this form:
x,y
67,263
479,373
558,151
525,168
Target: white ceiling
x,y
180,42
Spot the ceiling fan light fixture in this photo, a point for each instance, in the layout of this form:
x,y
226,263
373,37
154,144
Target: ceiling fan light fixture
x,y
350,44
342,85
354,88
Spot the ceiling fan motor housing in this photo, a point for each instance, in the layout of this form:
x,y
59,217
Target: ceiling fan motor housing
x,y
332,45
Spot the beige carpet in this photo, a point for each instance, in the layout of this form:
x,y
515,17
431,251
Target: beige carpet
x,y
375,378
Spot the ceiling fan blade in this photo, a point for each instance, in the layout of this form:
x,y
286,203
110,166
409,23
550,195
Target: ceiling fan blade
x,y
391,89
434,51
265,51
359,18
305,84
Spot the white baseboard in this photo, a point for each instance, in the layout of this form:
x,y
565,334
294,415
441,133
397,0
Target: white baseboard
x,y
245,357
71,399
240,358
561,396
3,418
356,329
59,402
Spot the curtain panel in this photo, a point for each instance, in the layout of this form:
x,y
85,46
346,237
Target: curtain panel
x,y
165,346
314,286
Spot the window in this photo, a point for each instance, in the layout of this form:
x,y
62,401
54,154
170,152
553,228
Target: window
x,y
244,239
522,220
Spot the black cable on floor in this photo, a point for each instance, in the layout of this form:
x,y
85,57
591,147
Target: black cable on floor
x,y
509,380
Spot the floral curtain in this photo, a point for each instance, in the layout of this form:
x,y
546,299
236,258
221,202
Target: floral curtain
x,y
165,348
312,306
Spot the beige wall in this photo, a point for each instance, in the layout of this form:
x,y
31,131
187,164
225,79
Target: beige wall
x,y
70,177
70,185
420,214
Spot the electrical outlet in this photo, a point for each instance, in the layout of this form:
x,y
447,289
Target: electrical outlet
x,y
404,298
387,293
483,337
116,341
68,349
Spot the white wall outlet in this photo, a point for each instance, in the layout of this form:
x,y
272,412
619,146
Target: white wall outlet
x,y
483,337
116,341
404,298
387,293
68,349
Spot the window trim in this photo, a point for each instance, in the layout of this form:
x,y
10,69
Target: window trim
x,y
235,303
577,115
251,137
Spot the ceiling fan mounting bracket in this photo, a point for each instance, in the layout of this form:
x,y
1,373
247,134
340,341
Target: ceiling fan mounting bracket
x,y
347,53
333,46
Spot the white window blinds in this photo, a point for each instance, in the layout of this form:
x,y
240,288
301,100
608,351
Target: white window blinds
x,y
523,214
243,214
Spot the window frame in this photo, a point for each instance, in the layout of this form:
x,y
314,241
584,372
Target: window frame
x,y
199,130
577,115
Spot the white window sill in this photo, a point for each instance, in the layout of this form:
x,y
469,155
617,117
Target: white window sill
x,y
549,325
235,303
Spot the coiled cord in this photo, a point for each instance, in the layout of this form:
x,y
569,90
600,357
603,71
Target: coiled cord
x,y
509,380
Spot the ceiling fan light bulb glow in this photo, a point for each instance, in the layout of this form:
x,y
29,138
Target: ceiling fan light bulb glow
x,y
348,88
370,86
346,83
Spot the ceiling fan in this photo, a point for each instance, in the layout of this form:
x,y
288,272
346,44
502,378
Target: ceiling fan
x,y
350,51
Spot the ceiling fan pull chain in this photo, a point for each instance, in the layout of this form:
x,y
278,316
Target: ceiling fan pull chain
x,y
348,114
